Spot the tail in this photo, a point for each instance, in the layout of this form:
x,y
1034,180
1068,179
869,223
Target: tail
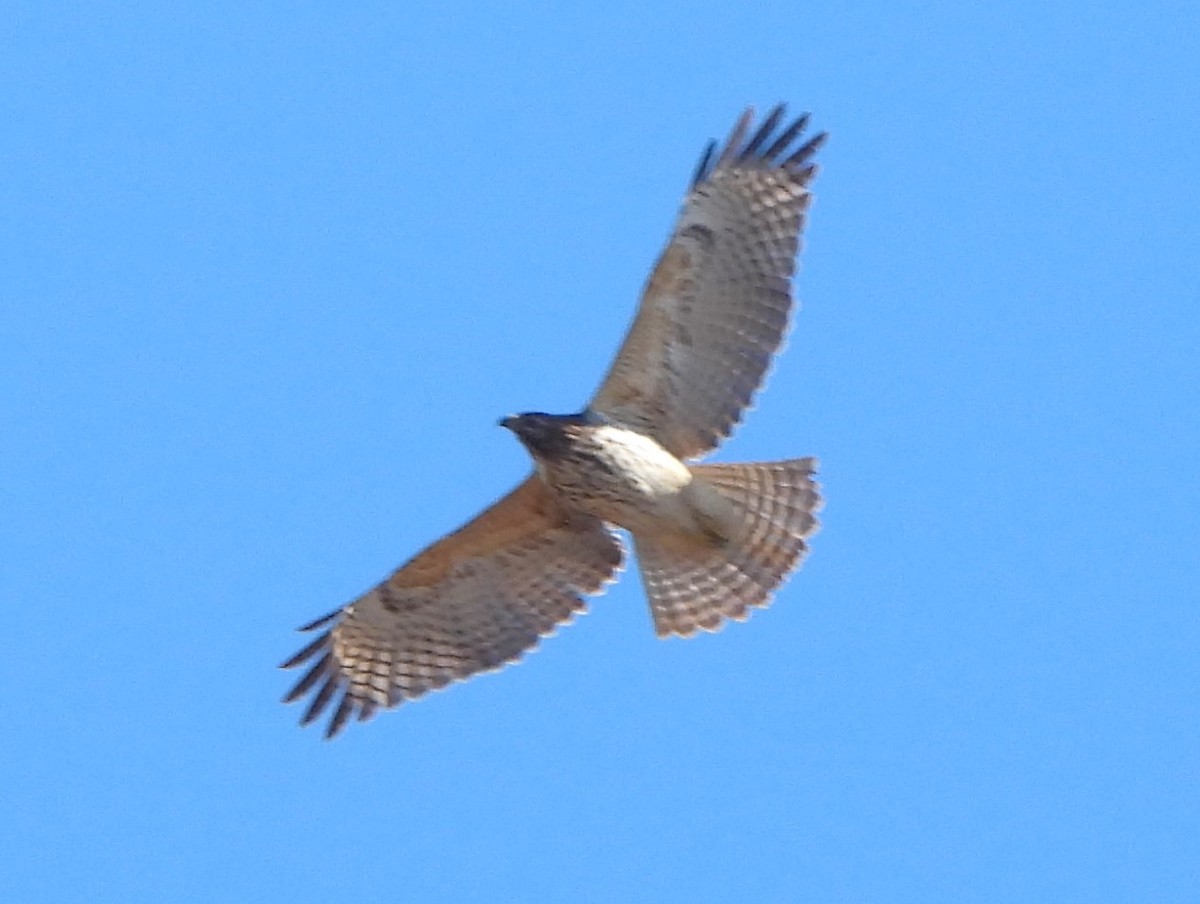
x,y
767,511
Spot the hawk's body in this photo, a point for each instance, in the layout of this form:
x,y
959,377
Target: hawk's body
x,y
713,541
617,474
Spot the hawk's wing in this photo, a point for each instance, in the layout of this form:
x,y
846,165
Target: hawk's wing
x,y
472,602
716,306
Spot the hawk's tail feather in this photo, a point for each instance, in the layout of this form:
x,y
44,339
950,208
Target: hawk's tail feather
x,y
698,584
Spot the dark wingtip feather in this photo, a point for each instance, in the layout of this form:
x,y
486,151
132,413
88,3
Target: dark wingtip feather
x,y
366,709
702,168
786,137
323,620
763,133
320,701
762,148
341,714
310,678
807,150
306,653
736,134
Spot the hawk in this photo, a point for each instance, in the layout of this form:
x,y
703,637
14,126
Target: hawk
x,y
713,541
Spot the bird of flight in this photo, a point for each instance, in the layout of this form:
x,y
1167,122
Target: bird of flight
x,y
713,540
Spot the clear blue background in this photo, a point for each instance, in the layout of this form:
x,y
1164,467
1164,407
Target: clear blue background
x,y
269,276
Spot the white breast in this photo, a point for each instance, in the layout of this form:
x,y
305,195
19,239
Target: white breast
x,y
621,476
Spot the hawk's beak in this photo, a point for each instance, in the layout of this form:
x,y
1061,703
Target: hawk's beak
x,y
506,422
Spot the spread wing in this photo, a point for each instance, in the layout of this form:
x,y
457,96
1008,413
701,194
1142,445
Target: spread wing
x,y
716,306
472,602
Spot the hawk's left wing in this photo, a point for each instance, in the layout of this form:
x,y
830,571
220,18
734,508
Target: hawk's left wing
x,y
472,602
716,306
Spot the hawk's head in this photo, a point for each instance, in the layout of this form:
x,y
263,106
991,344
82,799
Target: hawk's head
x,y
545,435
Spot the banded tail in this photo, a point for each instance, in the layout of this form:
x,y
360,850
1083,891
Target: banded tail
x,y
697,583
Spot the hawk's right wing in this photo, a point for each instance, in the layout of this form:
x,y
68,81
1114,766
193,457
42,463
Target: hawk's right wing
x,y
716,306
472,602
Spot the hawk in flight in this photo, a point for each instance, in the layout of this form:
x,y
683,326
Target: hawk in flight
x,y
713,541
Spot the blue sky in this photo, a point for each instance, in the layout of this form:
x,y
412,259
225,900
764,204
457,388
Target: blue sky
x,y
270,275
